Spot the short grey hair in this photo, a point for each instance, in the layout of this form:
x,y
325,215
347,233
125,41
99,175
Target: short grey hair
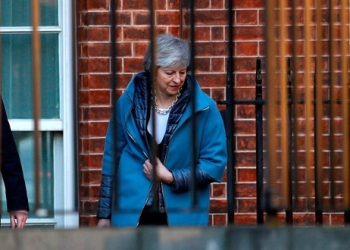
x,y
171,51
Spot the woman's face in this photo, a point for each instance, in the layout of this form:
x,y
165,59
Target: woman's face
x,y
170,80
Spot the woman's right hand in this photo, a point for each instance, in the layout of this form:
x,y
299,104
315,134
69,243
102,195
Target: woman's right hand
x,y
104,223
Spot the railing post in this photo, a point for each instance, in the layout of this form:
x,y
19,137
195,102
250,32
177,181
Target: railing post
x,y
289,209
259,144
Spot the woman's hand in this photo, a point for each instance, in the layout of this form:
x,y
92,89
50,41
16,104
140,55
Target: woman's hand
x,y
162,173
18,219
104,223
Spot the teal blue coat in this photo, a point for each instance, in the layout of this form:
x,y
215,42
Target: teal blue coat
x,y
133,186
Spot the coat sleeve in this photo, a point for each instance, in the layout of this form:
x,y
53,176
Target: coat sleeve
x,y
105,199
182,178
212,155
11,168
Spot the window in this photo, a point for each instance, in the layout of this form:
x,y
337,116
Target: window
x,y
57,193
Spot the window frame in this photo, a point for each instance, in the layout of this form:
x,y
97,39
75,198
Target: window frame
x,y
65,193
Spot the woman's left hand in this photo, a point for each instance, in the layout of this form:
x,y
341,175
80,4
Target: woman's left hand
x,y
162,173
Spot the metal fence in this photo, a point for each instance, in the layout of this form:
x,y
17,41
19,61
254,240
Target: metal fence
x,y
302,124
307,111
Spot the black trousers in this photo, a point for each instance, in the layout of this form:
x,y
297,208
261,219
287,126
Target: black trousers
x,y
150,217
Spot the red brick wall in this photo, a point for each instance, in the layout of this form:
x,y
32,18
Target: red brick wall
x,y
211,53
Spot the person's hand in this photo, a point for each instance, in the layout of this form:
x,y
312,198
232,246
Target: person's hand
x,y
104,223
162,173
18,219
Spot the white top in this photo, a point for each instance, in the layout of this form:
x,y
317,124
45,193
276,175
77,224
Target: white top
x,y
161,122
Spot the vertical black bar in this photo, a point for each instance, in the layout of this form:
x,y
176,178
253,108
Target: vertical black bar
x,y
231,176
259,144
113,20
347,209
318,114
289,209
193,101
318,207
150,101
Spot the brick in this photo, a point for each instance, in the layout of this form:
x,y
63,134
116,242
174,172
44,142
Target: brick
x,y
98,18
219,220
81,6
99,65
218,65
96,5
174,5
97,129
245,64
218,190
202,64
202,34
248,33
246,143
212,17
97,113
91,177
136,5
137,33
245,219
217,33
246,175
133,64
98,50
97,81
86,161
246,190
82,34
246,17
245,79
246,205
141,18
245,93
218,206
206,80
167,18
202,4
246,112
211,49
98,34
218,94
124,18
249,4
217,4
139,49
247,49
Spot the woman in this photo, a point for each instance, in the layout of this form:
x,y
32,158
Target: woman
x,y
173,140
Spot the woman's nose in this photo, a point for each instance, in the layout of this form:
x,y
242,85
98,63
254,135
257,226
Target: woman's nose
x,y
177,78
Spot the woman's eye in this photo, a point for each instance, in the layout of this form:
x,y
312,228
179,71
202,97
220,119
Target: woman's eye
x,y
169,73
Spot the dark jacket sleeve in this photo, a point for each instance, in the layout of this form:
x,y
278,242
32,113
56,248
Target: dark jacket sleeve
x,y
11,168
182,179
105,200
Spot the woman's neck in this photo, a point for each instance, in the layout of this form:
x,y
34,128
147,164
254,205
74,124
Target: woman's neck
x,y
164,100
